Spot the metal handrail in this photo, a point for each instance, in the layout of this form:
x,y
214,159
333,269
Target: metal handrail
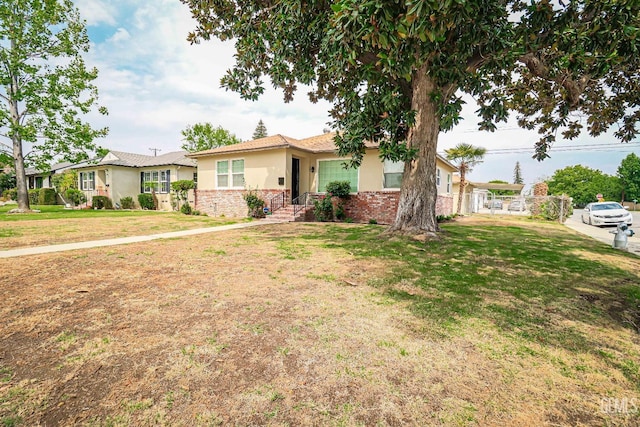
x,y
277,202
301,202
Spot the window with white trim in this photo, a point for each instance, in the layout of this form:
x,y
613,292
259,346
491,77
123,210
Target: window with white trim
x,y
448,183
158,180
230,176
438,179
393,174
334,170
87,181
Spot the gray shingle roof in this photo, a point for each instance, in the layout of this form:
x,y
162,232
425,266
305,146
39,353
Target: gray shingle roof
x,y
120,158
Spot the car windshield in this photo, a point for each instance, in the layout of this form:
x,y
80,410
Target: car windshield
x,y
606,206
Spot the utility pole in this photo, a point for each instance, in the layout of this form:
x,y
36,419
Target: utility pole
x,y
155,151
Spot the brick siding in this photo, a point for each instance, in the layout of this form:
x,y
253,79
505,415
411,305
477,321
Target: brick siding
x,y
361,207
230,202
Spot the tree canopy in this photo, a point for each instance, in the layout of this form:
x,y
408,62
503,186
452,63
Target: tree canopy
x,y
629,174
45,87
203,136
261,130
583,184
396,71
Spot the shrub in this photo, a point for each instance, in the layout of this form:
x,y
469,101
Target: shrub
x,y
47,196
34,195
323,209
340,215
338,188
254,203
102,202
186,209
127,202
373,221
146,201
11,194
75,196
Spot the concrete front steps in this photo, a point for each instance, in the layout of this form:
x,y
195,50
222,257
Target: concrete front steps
x,y
285,214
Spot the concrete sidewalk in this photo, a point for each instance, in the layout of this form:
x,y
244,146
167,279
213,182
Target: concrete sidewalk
x,y
123,240
603,234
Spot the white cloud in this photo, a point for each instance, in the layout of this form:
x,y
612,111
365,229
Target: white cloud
x,y
120,35
97,12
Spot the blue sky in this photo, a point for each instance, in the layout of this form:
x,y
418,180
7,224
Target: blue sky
x,y
155,83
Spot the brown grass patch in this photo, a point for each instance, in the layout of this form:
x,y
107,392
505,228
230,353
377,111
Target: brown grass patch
x,y
259,327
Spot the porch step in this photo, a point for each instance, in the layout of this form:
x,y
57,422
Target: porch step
x,y
285,214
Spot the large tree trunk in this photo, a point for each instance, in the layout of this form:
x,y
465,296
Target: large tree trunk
x,y
417,206
18,157
21,178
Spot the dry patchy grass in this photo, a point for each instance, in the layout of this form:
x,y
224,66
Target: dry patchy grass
x,y
263,326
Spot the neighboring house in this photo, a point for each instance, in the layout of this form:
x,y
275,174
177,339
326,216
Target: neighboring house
x,y
120,174
38,179
279,167
478,194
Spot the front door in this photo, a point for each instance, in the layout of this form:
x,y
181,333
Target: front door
x,y
295,178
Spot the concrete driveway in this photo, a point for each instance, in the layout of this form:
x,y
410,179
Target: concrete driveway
x,y
603,234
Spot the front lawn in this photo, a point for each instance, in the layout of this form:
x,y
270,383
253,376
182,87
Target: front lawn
x,y
56,225
514,323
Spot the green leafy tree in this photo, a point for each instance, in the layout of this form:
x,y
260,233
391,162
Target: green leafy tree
x,y
203,136
261,131
466,157
45,86
629,174
396,71
517,174
181,188
583,184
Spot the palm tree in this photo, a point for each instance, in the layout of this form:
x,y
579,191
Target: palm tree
x,y
466,156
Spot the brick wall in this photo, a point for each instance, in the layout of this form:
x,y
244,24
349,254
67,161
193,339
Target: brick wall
x,y
382,206
230,202
361,207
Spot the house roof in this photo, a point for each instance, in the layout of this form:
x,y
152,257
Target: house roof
x,y
316,144
53,169
133,160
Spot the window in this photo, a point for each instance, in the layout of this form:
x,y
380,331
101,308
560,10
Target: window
x,y
164,181
195,179
333,170
88,181
393,174
448,183
438,178
39,182
233,177
158,180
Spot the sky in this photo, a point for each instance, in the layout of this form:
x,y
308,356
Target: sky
x,y
155,83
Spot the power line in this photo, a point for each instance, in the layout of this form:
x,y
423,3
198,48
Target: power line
x,y
621,147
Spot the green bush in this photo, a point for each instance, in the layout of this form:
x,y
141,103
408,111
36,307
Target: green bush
x,y
47,196
255,204
11,194
127,202
338,188
186,208
323,209
102,202
75,196
146,201
34,195
340,214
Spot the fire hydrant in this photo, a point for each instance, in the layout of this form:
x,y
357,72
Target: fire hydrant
x,y
620,239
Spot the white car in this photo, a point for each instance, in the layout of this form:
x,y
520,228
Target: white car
x,y
606,213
